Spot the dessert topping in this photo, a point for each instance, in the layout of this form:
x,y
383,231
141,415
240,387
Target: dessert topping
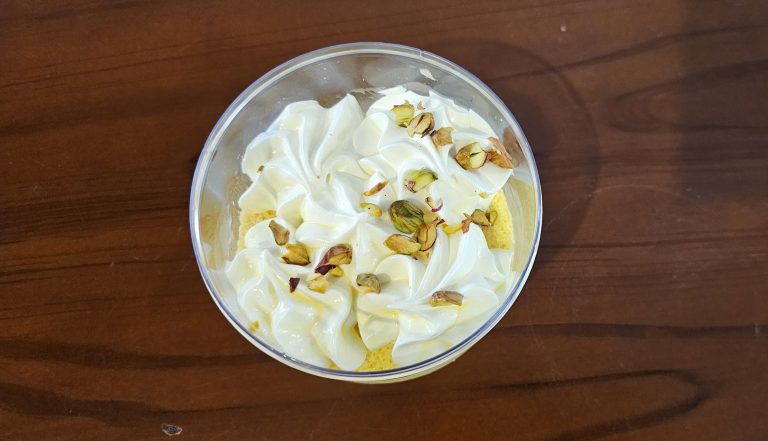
x,y
318,283
421,124
405,216
445,298
426,236
434,206
481,218
375,189
296,254
471,156
402,244
369,281
403,113
372,209
442,136
279,232
419,179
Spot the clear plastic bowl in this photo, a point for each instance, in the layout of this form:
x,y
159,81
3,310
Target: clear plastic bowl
x,y
327,75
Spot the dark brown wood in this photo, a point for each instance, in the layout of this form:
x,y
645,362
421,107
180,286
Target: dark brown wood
x,y
646,316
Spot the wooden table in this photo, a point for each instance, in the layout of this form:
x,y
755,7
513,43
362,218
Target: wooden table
x,y
645,318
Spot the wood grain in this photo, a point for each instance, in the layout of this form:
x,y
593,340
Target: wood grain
x,y
646,316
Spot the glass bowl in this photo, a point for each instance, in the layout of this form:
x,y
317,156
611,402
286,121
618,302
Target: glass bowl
x,y
327,75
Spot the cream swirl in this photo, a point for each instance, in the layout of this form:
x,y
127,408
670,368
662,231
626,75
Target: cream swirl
x,y
311,166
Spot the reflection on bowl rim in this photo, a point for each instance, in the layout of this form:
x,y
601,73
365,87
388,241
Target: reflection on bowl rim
x,y
204,161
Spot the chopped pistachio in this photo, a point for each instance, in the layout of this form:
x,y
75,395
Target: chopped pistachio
x,y
500,156
480,217
280,233
403,113
426,236
293,282
375,189
466,223
405,216
492,216
513,147
336,271
419,179
372,209
402,244
337,255
442,136
324,269
369,281
318,283
430,217
261,168
450,229
483,194
471,156
296,255
421,124
434,206
445,298
421,255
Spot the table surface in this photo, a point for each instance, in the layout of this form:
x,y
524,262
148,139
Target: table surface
x,y
645,317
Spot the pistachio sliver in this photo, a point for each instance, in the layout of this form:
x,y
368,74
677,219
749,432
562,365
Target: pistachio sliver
x,y
293,282
279,232
426,236
492,216
372,209
369,281
336,271
421,255
296,254
421,124
406,217
375,189
419,179
318,283
434,206
450,229
442,136
514,149
471,156
324,269
446,298
337,255
480,217
465,224
499,155
403,113
431,217
402,244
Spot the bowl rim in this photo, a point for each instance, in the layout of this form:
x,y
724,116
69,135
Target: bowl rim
x,y
291,65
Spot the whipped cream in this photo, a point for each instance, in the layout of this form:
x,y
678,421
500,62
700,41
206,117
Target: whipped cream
x,y
312,166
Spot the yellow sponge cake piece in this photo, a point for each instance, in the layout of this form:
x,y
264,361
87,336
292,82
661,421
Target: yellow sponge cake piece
x,y
499,235
247,220
378,360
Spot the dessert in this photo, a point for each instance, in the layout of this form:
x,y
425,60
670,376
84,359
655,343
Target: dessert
x,y
371,240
